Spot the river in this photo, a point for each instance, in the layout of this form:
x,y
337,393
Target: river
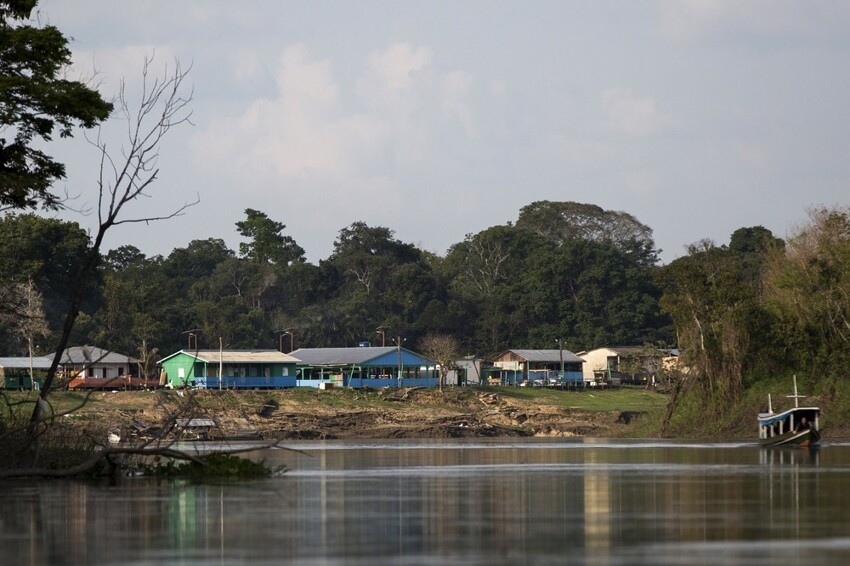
x,y
491,502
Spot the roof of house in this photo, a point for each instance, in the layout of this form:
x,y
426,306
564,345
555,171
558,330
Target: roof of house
x,y
237,356
38,362
545,355
352,356
81,355
629,350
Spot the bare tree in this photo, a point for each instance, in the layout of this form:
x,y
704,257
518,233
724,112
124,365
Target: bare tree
x,y
443,349
31,323
125,177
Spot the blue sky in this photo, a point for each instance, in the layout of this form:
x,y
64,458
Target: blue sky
x,y
442,118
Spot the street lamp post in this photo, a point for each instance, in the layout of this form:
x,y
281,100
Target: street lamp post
x,y
382,330
281,334
191,336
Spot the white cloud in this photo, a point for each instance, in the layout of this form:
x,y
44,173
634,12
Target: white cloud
x,y
347,146
629,114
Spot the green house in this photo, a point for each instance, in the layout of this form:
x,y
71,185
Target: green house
x,y
229,369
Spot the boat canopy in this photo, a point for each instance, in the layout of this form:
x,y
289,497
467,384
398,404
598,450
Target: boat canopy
x,y
809,412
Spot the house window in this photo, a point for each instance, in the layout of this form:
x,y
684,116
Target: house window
x,y
120,372
181,372
285,371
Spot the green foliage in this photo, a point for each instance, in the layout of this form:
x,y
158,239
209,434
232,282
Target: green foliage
x,y
35,103
49,253
267,244
561,222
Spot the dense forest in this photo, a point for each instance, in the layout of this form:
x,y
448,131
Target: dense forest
x,y
562,271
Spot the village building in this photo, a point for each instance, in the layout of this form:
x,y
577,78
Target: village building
x,y
466,371
80,367
537,367
632,365
229,369
15,372
365,366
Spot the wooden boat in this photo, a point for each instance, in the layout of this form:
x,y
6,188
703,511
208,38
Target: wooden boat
x,y
797,426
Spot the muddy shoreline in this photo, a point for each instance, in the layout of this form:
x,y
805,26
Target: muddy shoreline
x,y
346,414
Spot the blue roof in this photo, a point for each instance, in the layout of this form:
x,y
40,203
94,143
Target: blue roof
x,y
377,356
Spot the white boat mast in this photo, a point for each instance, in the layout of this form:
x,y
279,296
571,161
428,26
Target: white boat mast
x,y
795,396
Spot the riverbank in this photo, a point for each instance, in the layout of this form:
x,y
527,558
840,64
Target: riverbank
x,y
387,413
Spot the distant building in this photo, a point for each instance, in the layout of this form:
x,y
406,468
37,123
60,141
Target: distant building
x,y
15,372
365,366
229,369
83,362
518,366
467,371
636,365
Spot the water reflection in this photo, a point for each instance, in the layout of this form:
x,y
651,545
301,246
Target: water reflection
x,y
459,502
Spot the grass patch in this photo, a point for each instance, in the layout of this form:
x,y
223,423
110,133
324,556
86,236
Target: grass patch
x,y
608,400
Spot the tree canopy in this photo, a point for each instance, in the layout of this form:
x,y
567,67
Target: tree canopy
x,y
36,102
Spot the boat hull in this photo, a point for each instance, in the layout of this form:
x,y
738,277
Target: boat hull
x,y
801,438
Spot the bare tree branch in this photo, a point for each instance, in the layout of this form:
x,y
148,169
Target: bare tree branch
x,y
163,106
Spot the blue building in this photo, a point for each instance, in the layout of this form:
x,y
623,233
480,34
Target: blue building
x,y
366,366
539,367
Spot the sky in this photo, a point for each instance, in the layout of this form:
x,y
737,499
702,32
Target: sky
x,y
439,119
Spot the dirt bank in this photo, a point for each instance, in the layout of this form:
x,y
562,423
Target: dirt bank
x,y
300,414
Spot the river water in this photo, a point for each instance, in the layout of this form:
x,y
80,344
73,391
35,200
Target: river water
x,y
457,502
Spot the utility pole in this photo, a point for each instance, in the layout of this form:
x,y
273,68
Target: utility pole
x,y
398,342
561,354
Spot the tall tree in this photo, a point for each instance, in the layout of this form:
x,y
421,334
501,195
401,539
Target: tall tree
x,y
562,221
36,102
808,286
266,242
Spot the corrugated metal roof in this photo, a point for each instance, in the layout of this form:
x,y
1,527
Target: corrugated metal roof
x,y
547,355
38,362
242,356
341,356
80,355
